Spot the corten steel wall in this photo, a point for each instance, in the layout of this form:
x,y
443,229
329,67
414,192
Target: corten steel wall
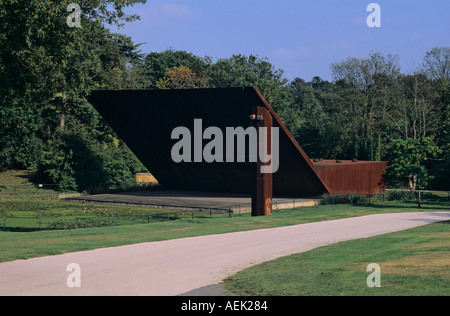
x,y
145,119
347,176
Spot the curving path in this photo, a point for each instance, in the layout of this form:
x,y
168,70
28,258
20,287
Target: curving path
x,y
175,267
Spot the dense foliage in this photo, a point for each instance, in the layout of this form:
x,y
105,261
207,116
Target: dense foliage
x,y
371,110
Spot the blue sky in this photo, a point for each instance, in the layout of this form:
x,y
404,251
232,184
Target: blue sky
x,y
302,37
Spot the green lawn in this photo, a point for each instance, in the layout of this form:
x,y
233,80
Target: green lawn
x,y
414,262
32,215
17,184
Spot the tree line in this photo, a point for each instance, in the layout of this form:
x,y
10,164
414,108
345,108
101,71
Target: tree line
x,y
371,110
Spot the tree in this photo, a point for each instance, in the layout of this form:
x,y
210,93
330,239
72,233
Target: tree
x,y
416,113
361,72
248,71
437,63
42,56
46,70
20,142
316,129
407,161
155,66
181,78
241,71
369,81
120,63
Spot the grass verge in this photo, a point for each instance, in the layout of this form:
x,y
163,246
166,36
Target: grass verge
x,y
414,262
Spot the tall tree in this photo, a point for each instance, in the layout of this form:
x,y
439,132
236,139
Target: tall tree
x,y
317,129
437,63
416,113
370,78
43,55
47,66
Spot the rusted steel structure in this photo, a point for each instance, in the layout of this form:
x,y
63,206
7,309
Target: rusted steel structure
x,y
352,176
262,183
145,119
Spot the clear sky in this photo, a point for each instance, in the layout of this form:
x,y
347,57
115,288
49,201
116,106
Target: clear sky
x,y
302,37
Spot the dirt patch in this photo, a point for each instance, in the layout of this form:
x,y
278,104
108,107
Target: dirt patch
x,y
429,263
430,245
437,262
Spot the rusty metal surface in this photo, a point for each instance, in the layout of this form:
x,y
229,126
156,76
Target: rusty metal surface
x,y
347,176
262,182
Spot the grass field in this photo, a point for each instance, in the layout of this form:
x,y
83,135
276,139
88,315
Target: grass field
x,y
412,262
33,215
17,184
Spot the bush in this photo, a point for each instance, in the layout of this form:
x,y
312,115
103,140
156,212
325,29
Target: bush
x,y
82,223
399,195
71,164
349,198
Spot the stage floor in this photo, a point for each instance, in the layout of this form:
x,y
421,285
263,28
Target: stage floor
x,y
186,200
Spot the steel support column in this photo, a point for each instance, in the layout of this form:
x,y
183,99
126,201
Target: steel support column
x,y
262,182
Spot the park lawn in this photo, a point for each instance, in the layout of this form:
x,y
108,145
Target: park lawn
x,y
414,262
17,184
23,245
31,215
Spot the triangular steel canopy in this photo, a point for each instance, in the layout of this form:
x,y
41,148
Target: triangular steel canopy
x,y
145,119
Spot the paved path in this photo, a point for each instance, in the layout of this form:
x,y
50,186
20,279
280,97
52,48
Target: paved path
x,y
180,266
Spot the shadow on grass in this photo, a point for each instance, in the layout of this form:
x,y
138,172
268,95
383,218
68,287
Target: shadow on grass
x,y
19,229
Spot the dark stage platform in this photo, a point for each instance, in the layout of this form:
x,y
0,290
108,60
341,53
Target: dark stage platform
x,y
185,200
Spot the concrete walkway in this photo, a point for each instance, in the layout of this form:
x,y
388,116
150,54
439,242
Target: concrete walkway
x,y
177,267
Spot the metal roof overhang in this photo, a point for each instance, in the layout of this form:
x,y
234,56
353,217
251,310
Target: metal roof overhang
x,y
145,119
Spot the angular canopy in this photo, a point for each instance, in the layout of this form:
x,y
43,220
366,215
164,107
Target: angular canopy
x,y
145,119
